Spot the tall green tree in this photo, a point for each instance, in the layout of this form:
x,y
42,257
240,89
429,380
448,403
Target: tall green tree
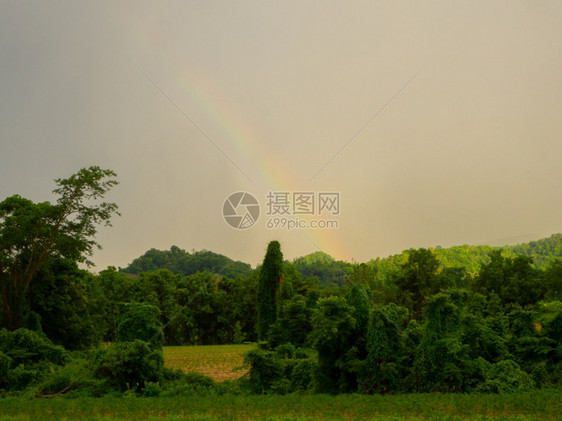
x,y
271,276
385,350
513,280
333,338
31,233
69,304
419,278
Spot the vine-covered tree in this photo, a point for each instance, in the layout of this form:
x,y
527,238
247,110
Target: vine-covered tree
x,y
418,279
31,233
270,278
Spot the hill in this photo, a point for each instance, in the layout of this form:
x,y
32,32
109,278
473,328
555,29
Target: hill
x,y
332,271
180,261
325,267
470,258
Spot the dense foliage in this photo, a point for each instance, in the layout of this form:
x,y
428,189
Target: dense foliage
x,y
269,282
32,233
465,319
180,261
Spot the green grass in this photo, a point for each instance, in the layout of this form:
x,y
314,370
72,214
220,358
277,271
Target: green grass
x,y
538,405
220,362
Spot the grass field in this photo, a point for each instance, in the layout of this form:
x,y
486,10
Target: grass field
x,y
220,362
541,405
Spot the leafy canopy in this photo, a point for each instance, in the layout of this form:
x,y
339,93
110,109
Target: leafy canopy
x,y
31,233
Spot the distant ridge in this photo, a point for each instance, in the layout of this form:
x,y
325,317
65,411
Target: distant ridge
x,y
332,271
542,252
469,257
510,241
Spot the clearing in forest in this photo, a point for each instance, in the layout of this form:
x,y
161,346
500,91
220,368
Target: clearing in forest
x,y
220,362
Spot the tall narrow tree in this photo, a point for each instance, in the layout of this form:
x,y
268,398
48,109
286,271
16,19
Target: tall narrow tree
x,y
270,278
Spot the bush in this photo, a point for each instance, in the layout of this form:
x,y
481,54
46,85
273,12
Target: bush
x,y
75,376
238,336
19,377
130,365
151,389
5,363
302,375
285,351
506,377
281,386
24,357
172,374
199,381
28,347
265,370
190,383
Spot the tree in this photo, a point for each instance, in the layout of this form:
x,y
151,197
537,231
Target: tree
x,y
293,324
514,280
270,278
67,301
385,350
552,279
418,279
358,298
333,338
31,233
140,321
116,289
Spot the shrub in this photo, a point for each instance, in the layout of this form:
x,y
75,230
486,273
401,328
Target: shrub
x,y
19,377
506,377
172,374
281,386
130,365
24,356
265,370
302,374
190,383
285,351
198,381
27,347
151,389
5,363
75,376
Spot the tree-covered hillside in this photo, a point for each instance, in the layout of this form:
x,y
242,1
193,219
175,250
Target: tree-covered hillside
x,y
180,261
471,258
334,272
541,251
325,267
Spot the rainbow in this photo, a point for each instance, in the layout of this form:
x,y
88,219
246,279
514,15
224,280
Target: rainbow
x,y
239,133
273,176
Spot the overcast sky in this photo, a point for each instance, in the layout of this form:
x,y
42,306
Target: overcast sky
x,y
439,121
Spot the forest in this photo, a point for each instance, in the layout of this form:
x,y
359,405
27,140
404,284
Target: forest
x,y
466,319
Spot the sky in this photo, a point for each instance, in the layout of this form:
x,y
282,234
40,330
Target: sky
x,y
436,122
